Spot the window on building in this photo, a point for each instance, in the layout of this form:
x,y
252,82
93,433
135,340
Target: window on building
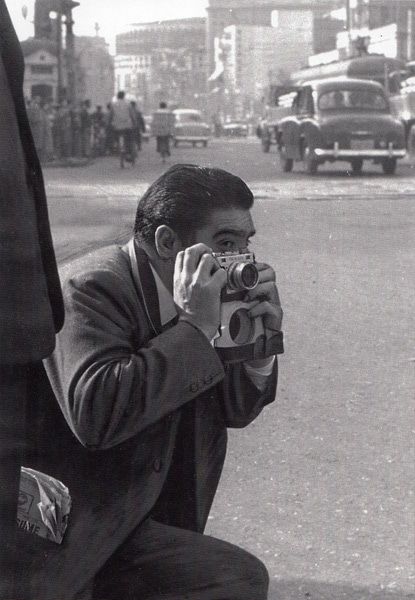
x,y
42,69
275,17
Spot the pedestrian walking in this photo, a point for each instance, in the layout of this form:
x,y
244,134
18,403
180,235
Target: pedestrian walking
x,y
139,124
98,131
109,130
162,127
86,123
122,122
75,116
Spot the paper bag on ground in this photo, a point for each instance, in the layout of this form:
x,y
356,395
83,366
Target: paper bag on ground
x,y
44,505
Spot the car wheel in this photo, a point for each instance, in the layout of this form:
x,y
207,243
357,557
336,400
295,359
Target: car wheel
x,y
357,166
266,144
389,166
310,163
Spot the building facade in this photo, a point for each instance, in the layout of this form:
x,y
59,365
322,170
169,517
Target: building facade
x,y
256,56
94,70
222,13
41,70
375,26
381,13
163,61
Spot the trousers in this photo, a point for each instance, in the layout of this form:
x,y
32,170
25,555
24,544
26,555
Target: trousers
x,y
14,380
160,562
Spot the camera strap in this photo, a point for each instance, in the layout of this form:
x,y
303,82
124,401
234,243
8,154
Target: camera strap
x,y
145,284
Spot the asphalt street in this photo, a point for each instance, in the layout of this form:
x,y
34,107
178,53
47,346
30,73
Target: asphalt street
x,y
320,486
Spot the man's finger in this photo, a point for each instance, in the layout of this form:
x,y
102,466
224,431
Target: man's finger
x,y
178,265
266,273
193,254
262,308
207,265
220,277
267,290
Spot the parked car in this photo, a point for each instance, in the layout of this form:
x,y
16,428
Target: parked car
x,y
235,129
341,119
190,127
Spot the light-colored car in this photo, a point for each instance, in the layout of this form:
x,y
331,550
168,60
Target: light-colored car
x,y
190,127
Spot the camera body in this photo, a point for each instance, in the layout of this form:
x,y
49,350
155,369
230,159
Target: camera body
x,y
240,337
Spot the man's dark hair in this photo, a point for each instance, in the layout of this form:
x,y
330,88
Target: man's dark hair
x,y
120,95
184,197
162,105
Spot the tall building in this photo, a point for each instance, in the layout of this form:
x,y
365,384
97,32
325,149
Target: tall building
x,y
163,60
388,27
374,27
256,56
94,70
222,13
400,12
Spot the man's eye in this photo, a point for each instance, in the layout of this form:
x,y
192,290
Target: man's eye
x,y
227,245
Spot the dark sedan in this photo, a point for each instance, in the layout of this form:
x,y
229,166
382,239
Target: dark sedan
x,y
341,119
235,129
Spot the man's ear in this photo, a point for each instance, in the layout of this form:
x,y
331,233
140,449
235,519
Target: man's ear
x,y
167,242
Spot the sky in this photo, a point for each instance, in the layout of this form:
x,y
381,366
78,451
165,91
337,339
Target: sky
x,y
111,15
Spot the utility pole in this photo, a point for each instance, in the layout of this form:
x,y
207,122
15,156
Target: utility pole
x,y
67,7
59,53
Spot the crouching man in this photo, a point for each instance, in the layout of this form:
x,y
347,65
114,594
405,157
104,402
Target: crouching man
x,y
147,397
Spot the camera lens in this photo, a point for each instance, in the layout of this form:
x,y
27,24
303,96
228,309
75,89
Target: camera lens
x,y
242,276
249,275
241,327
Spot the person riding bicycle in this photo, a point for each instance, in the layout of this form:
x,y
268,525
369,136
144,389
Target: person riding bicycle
x,y
162,127
122,122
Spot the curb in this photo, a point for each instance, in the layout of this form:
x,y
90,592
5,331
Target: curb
x,y
67,162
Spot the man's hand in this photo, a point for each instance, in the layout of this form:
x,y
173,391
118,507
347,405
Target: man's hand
x,y
266,293
197,285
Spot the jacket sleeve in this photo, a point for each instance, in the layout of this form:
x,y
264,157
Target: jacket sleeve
x,y
108,389
242,400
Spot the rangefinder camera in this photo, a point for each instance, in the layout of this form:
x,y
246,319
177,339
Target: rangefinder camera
x,y
240,337
241,270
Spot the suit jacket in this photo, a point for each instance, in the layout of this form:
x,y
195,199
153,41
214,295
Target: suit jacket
x,y
31,307
124,389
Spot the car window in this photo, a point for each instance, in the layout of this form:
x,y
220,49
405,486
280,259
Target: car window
x,y
189,117
357,99
304,101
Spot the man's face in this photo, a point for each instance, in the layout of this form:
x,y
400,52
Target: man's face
x,y
228,230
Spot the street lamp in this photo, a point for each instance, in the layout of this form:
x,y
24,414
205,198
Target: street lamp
x,y
56,14
59,9
67,6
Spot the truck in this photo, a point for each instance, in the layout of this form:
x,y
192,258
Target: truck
x,y
277,105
